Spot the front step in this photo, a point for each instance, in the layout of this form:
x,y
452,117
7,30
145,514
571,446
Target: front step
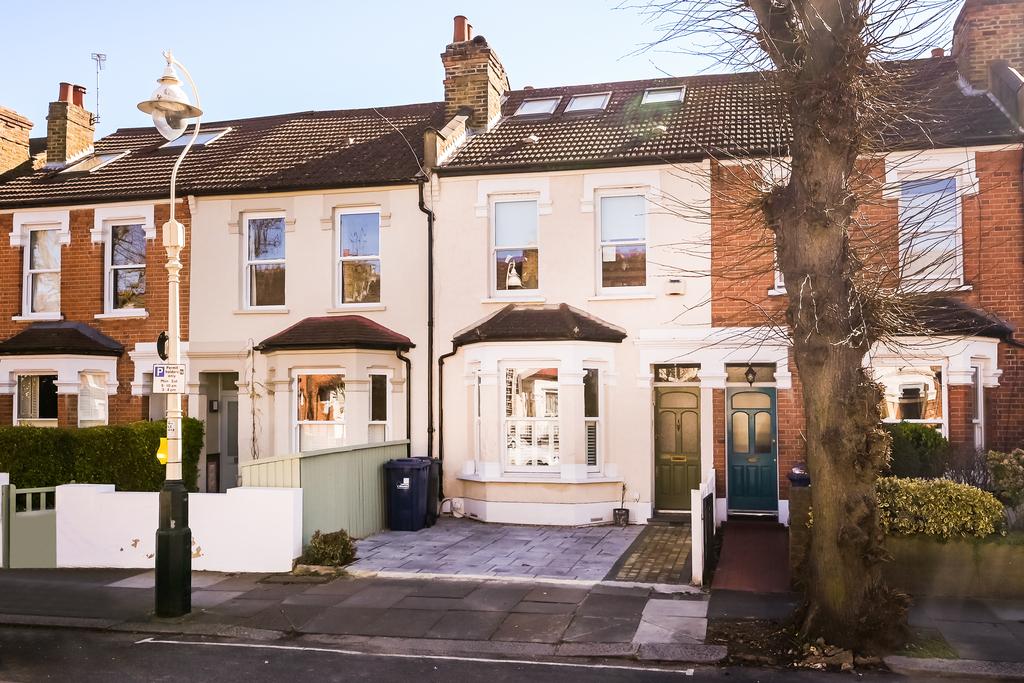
x,y
669,519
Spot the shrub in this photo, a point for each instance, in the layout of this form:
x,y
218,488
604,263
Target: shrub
x,y
330,550
1007,470
917,451
969,465
937,507
122,455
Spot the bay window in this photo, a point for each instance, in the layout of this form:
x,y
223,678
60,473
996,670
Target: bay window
x,y
264,261
379,408
930,241
359,258
320,411
42,272
37,400
126,263
592,416
514,253
531,419
623,242
912,393
92,399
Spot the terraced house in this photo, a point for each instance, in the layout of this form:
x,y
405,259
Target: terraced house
x,y
544,287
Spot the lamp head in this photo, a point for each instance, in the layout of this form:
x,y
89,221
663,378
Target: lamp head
x,y
169,105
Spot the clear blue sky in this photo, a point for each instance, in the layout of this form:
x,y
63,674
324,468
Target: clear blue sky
x,y
257,57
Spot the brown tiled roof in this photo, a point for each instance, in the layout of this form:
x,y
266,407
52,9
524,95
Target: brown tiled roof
x,y
336,332
948,315
727,114
517,322
60,337
306,150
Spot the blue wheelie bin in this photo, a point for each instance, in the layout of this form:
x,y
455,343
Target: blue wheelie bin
x,y
408,485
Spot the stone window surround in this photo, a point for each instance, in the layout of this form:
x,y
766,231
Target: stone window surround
x,y
103,219
24,223
334,225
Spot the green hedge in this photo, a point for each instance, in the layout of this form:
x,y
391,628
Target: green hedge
x,y
917,451
1007,470
937,507
123,455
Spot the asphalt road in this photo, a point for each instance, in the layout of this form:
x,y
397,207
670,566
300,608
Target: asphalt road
x,y
41,654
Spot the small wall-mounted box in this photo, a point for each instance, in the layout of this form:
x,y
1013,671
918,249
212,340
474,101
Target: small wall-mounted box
x,y
214,406
674,286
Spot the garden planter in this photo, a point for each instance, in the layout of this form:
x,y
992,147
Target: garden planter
x,y
620,516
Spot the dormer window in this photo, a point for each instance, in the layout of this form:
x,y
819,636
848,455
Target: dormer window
x,y
205,137
94,162
591,102
538,106
658,95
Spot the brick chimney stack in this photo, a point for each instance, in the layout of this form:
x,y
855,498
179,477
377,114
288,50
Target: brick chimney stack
x,y
69,127
987,31
14,145
474,77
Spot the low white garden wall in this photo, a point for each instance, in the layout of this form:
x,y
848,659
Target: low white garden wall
x,y
243,530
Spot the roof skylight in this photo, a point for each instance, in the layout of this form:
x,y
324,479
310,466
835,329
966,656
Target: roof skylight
x,y
591,102
205,137
656,95
93,163
545,105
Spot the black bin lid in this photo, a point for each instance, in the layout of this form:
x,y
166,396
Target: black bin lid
x,y
407,464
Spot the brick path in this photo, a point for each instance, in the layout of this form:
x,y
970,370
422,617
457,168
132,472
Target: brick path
x,y
661,554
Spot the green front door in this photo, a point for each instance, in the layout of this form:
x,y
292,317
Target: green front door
x,y
676,446
752,453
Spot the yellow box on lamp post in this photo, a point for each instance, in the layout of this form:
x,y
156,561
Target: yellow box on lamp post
x,y
161,451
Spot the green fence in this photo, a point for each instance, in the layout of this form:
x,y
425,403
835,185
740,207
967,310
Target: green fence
x,y
342,488
30,527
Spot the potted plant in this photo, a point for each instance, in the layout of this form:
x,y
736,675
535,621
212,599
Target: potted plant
x,y
620,515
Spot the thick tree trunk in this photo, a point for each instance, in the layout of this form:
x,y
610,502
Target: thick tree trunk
x,y
832,330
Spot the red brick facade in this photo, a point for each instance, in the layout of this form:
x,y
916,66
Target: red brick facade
x,y
993,234
81,296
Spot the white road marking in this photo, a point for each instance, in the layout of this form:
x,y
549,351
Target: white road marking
x,y
399,655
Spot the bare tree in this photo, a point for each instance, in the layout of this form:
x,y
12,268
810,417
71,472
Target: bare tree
x,y
833,65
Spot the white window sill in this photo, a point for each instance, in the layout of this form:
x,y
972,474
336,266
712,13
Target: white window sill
x,y
514,300
777,291
266,310
540,478
51,317
928,288
349,308
623,297
128,313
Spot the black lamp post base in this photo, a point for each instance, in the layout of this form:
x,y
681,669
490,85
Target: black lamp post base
x,y
173,553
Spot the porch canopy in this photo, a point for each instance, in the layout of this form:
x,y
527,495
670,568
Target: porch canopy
x,y
336,332
562,322
51,338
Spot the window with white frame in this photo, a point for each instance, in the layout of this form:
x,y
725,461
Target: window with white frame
x,y
42,272
538,106
92,399
912,393
977,406
320,410
359,258
623,242
264,260
126,267
592,416
658,95
380,404
37,400
592,102
531,419
931,254
515,253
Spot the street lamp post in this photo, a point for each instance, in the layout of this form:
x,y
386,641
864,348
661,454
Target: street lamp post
x,y
171,112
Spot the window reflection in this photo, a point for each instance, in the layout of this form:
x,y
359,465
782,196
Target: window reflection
x,y
911,393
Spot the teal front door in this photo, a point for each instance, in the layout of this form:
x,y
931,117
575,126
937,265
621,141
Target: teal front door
x,y
752,453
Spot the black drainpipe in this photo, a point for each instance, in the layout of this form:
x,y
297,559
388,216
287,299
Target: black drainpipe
x,y
408,402
440,404
430,320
